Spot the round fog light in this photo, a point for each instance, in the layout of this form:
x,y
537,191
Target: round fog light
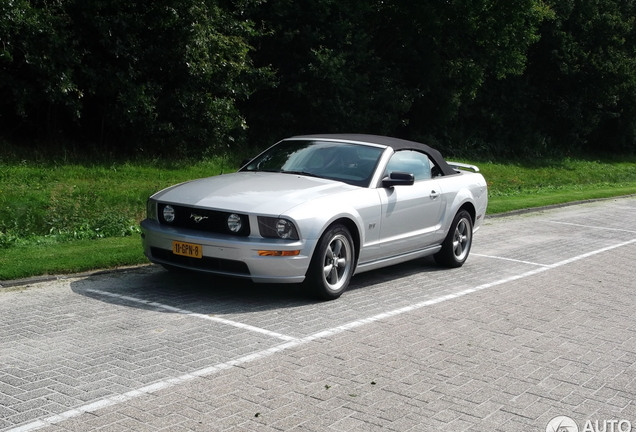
x,y
234,223
168,213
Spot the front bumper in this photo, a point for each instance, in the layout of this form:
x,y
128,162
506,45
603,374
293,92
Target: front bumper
x,y
228,255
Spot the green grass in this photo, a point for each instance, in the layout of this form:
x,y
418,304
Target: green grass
x,y
69,215
69,257
47,202
60,216
515,185
558,196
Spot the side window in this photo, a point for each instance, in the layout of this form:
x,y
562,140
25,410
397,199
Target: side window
x,y
410,161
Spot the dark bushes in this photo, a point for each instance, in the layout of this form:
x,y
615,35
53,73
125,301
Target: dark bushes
x,y
520,77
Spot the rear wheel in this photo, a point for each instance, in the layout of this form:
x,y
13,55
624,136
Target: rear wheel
x,y
456,245
332,264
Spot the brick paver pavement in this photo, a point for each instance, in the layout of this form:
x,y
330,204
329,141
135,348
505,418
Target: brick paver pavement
x,y
542,337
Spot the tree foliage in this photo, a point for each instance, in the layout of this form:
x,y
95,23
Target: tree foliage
x,y
145,73
584,73
36,64
392,66
501,77
578,92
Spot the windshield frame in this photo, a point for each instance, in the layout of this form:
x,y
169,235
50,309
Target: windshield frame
x,y
348,162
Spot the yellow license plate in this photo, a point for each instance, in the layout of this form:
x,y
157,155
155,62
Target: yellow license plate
x,y
187,249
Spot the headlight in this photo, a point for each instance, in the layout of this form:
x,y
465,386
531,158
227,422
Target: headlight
x,y
168,213
234,223
270,227
284,228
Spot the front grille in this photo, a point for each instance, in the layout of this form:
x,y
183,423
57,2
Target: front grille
x,y
205,263
203,220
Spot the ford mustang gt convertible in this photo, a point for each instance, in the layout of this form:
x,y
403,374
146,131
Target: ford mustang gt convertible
x,y
317,209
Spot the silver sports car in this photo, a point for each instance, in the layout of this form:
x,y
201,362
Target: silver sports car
x,y
317,209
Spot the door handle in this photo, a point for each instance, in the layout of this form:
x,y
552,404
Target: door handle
x,y
434,194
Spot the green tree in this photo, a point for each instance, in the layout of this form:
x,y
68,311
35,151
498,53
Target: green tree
x,y
37,63
578,93
396,67
127,72
328,77
584,70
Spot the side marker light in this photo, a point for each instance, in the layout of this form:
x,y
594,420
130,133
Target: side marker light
x,y
278,253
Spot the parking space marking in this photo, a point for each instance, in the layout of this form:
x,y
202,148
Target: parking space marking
x,y
593,227
591,253
194,314
170,382
510,259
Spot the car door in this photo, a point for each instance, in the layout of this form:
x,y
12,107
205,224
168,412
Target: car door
x,y
410,213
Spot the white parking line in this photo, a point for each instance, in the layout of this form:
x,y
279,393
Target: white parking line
x,y
170,382
509,259
193,314
594,227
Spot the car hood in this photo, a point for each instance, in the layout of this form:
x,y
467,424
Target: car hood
x,y
251,192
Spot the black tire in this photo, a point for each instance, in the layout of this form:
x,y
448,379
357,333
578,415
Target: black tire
x,y
332,264
456,245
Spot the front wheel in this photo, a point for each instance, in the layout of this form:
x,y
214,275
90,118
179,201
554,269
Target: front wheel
x,y
456,245
332,264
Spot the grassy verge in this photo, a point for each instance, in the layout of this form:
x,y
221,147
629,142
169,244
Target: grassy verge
x,y
60,216
69,257
515,185
65,217
561,196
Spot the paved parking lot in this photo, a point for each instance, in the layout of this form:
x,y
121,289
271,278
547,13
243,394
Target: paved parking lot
x,y
539,323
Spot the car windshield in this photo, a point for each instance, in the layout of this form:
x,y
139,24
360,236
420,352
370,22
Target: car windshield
x,y
349,163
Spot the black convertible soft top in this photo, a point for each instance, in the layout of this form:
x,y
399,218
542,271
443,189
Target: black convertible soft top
x,y
395,143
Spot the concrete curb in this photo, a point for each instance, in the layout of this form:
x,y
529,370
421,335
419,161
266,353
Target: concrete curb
x,y
48,278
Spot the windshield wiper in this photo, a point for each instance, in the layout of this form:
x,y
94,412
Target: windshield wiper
x,y
297,172
260,170
305,173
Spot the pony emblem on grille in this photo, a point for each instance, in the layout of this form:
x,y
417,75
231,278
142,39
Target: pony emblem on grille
x,y
197,218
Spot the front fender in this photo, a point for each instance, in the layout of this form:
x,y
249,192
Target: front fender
x,y
361,207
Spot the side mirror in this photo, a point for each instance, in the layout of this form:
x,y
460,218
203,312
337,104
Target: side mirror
x,y
398,178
